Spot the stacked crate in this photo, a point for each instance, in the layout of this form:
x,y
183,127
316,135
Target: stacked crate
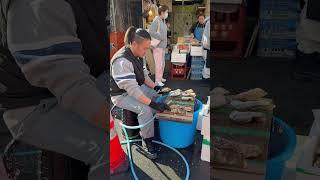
x,y
197,65
277,31
229,21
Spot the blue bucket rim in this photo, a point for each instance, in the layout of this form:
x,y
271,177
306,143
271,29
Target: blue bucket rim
x,y
292,141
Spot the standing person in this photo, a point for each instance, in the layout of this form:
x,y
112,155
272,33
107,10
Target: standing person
x,y
196,30
132,89
158,30
53,77
206,46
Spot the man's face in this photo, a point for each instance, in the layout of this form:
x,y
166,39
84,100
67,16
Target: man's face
x,y
140,50
201,19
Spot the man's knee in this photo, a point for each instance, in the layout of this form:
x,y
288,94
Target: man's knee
x,y
146,111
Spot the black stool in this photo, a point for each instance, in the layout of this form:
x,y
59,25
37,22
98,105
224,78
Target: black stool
x,y
128,118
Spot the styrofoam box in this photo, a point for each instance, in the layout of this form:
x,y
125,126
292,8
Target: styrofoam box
x,y
196,51
202,115
205,150
305,163
205,127
178,58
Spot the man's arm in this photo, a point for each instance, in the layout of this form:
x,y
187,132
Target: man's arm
x,y
123,74
149,83
42,37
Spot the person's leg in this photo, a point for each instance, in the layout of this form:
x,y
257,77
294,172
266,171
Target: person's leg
x,y
145,113
164,61
157,54
52,128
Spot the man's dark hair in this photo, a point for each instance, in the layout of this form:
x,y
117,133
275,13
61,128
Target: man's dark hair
x,y
137,35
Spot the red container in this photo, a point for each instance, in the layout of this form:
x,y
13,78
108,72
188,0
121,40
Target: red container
x,y
228,32
179,72
117,155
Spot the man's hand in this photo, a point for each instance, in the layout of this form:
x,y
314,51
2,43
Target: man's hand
x,y
101,118
158,88
159,106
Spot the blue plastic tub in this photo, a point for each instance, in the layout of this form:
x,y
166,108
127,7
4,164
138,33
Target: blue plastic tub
x,y
281,147
176,134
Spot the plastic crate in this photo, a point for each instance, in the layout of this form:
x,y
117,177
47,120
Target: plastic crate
x,y
276,52
228,33
167,57
196,77
282,9
284,48
179,71
198,63
197,66
279,14
278,29
196,74
277,43
197,69
280,4
278,26
196,58
278,35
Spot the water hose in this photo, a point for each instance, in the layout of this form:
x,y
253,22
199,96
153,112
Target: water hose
x,y
127,141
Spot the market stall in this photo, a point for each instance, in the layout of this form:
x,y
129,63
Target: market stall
x,y
186,113
187,59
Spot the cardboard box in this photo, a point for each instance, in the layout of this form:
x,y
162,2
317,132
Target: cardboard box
x,y
181,40
178,57
196,51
